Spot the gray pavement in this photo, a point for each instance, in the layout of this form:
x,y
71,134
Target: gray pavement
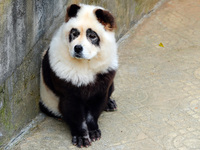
x,y
157,89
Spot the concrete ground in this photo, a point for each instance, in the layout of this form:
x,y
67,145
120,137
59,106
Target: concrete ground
x,y
157,89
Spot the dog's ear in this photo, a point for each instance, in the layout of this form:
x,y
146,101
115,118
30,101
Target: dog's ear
x,y
72,11
106,19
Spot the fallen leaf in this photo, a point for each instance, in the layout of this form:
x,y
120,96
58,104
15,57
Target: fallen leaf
x,y
161,45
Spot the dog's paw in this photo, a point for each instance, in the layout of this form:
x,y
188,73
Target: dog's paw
x,y
95,135
81,141
111,105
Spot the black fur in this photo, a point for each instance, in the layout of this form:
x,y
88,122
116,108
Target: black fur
x,y
46,71
74,33
106,19
93,37
80,105
72,11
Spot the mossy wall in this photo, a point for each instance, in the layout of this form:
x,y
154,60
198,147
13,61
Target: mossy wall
x,y
26,28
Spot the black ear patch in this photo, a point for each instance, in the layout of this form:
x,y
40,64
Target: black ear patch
x,y
106,19
72,10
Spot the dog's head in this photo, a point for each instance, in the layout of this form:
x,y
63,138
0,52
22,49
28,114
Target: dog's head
x,y
84,45
87,30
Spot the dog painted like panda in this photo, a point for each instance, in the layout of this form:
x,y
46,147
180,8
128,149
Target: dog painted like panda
x,y
78,70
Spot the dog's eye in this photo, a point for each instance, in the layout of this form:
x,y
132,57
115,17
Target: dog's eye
x,y
92,36
74,33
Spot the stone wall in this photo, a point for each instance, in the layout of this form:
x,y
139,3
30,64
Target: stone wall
x,y
26,28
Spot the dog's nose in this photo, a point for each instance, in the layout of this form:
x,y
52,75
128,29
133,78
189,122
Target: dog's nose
x,y
78,49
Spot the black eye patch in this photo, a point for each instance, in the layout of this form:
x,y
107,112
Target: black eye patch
x,y
74,33
93,37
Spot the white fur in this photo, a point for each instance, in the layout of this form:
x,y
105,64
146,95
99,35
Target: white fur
x,y
48,98
84,126
90,118
96,59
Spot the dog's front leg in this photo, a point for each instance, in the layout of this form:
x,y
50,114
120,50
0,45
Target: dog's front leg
x,y
94,108
92,122
74,114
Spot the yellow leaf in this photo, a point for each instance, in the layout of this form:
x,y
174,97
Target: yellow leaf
x,y
161,45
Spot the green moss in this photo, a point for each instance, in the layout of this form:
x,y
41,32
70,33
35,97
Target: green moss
x,y
5,118
19,100
1,89
5,112
32,77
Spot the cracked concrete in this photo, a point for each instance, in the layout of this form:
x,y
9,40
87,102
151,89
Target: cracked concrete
x,y
157,89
